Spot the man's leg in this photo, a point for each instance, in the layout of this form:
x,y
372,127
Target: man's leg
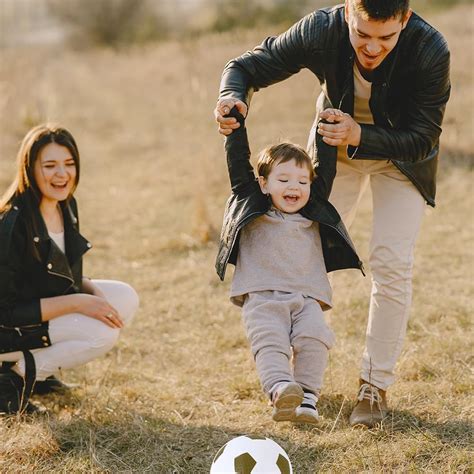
x,y
349,185
397,213
398,209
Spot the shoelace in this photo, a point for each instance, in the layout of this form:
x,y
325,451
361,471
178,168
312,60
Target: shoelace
x,y
369,392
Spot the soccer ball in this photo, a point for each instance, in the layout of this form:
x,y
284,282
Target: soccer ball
x,y
246,455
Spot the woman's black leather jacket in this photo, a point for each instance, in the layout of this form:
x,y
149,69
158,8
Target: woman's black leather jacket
x,y
247,202
24,280
410,88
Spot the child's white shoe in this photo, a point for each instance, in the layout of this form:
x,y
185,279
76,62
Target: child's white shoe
x,y
307,411
306,415
286,397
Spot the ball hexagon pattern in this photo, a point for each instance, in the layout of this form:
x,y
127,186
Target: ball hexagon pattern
x,y
248,455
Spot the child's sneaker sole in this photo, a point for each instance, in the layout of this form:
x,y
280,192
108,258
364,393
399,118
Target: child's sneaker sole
x,y
287,400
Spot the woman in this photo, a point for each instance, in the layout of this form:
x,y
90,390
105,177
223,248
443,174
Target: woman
x,y
51,317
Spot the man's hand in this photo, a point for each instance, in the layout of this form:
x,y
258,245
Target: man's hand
x,y
223,107
343,129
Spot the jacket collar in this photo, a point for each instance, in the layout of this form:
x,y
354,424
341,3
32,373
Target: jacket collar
x,y
76,244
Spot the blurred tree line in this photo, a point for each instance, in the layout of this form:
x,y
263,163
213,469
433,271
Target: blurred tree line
x,y
121,22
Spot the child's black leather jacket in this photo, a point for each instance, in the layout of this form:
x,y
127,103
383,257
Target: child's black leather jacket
x,y
247,202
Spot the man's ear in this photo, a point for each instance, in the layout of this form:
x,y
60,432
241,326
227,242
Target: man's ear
x,y
346,10
263,184
407,17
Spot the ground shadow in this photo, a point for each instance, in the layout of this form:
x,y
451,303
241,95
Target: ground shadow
x,y
139,441
456,433
149,444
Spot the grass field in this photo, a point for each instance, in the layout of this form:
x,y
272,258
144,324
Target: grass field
x,y
181,381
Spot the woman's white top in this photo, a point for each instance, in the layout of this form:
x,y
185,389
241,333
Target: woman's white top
x,y
58,238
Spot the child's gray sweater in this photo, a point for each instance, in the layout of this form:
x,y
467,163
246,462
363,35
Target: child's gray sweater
x,y
281,252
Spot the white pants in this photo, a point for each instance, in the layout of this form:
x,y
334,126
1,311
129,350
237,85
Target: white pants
x,y
397,213
77,339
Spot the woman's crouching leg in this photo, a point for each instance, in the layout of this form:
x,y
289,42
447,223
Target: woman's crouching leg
x,y
75,340
121,296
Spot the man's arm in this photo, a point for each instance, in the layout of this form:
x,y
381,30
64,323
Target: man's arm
x,y
419,132
276,59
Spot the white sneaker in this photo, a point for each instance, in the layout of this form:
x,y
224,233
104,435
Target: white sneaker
x,y
307,411
286,398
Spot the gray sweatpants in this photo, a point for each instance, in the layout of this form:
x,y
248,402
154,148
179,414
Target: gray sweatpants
x,y
277,323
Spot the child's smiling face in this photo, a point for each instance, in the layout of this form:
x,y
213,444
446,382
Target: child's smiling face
x,y
288,185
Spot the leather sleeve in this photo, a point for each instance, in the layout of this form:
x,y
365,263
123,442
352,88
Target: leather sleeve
x,y
237,149
13,311
276,59
419,133
326,156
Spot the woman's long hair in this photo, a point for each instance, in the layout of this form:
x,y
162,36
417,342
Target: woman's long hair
x,y
24,184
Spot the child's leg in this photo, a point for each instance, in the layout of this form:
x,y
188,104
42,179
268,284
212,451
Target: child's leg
x,y
311,340
267,321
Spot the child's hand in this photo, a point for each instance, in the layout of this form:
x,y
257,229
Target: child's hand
x,y
342,129
228,124
331,115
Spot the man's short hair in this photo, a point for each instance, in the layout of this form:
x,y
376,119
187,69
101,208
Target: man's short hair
x,y
381,10
281,153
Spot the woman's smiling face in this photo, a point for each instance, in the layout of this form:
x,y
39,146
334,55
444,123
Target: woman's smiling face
x,y
55,172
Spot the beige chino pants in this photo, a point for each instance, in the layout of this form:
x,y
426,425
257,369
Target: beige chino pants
x,y
398,208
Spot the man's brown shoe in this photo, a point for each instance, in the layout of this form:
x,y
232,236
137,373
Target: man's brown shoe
x,y
371,406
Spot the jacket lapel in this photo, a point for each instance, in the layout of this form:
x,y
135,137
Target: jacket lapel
x,y
76,244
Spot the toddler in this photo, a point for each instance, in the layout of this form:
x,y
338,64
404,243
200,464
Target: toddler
x,y
281,233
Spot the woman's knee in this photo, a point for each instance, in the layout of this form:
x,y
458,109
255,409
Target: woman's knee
x,y
121,296
104,339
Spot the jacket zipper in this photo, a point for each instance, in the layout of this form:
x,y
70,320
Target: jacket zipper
x,y
65,277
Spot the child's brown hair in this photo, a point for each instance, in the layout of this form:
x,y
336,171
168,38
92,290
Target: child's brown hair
x,y
282,153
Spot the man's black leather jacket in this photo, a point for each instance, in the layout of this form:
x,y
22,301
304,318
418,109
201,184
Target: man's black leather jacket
x,y
247,202
24,280
409,89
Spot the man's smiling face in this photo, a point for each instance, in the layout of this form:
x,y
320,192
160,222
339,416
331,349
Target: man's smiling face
x,y
372,40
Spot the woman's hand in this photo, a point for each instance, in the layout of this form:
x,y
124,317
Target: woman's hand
x,y
93,306
98,308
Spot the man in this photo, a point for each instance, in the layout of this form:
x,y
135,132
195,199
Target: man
x,y
384,74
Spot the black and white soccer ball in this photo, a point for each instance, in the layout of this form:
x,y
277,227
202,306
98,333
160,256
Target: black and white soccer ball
x,y
246,455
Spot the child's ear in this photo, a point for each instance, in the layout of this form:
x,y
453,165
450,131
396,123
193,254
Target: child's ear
x,y
263,184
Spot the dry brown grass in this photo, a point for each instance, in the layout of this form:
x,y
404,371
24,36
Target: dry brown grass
x,y
181,381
